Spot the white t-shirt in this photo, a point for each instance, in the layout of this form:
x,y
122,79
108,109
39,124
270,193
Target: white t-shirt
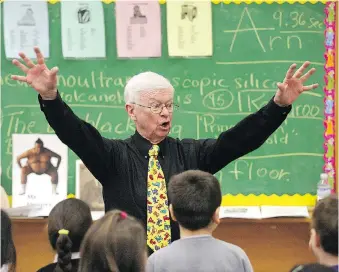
x,y
4,268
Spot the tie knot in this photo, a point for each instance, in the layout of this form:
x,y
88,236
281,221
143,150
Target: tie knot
x,y
154,151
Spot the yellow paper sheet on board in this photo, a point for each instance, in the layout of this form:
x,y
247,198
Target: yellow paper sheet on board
x,y
189,28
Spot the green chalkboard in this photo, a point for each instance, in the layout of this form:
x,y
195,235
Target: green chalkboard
x,y
253,46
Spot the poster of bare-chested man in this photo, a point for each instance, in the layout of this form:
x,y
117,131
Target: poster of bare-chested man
x,y
39,173
88,188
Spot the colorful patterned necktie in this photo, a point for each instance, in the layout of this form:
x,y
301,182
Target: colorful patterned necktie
x,y
158,220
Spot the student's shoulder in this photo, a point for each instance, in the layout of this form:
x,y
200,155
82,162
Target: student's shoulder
x,y
231,247
164,253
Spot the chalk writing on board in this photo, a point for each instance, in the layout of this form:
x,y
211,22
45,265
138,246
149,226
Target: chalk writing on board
x,y
113,98
9,146
291,41
277,61
306,111
9,171
17,125
209,124
249,170
220,99
295,19
254,29
253,81
202,84
94,80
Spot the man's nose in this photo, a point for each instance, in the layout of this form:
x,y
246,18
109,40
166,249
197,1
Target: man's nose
x,y
164,111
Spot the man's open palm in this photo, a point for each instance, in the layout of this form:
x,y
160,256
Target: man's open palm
x,y
293,84
43,80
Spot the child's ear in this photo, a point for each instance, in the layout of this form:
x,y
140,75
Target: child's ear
x,y
171,212
317,239
314,239
215,217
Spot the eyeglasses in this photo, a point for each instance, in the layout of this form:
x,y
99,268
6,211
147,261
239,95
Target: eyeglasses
x,y
158,107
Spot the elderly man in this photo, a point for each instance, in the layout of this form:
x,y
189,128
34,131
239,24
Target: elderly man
x,y
134,172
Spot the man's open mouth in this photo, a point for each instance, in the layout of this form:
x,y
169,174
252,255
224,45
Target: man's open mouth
x,y
164,124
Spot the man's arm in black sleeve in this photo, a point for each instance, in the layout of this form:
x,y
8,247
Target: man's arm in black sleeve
x,y
94,150
245,137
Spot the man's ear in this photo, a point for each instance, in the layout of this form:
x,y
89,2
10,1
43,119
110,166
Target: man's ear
x,y
215,218
131,111
171,212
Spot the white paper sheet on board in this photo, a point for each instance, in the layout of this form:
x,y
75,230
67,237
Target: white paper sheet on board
x,y
83,29
37,170
26,25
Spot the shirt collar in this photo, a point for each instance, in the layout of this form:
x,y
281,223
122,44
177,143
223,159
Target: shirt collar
x,y
75,255
143,145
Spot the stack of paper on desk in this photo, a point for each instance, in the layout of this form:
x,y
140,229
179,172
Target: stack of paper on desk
x,y
260,212
34,210
286,211
240,212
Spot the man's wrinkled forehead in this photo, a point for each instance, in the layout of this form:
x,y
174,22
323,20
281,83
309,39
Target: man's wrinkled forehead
x,y
158,95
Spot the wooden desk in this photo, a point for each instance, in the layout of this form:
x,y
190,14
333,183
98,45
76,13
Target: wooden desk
x,y
32,245
271,244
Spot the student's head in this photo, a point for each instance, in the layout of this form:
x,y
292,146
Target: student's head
x,y
146,95
68,223
324,227
115,242
8,252
195,198
314,267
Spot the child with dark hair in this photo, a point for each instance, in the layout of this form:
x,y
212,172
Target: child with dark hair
x,y
311,268
8,251
195,198
115,243
68,223
324,232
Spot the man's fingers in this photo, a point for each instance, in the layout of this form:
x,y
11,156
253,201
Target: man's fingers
x,y
19,78
40,57
27,60
20,66
301,70
54,71
281,86
310,87
290,71
307,75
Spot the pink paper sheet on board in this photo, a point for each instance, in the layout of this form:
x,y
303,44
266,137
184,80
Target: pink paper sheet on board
x,y
138,28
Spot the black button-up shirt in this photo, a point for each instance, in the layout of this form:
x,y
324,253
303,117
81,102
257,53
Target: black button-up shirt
x,y
121,165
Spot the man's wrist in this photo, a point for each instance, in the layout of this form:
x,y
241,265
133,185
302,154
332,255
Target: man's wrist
x,y
280,104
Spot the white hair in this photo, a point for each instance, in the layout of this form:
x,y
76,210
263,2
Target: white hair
x,y
146,81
